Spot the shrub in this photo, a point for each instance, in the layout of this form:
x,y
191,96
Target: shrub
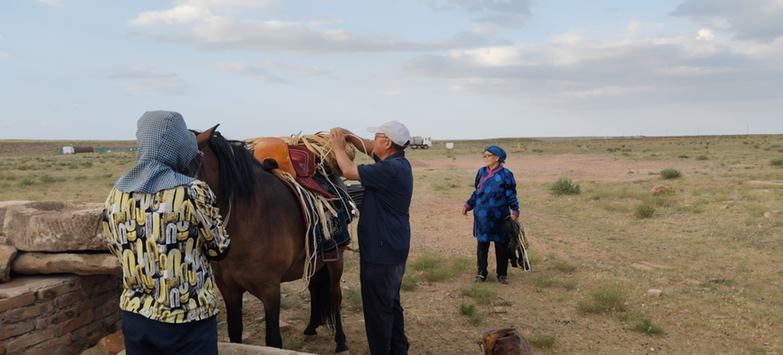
x,y
26,182
701,157
564,186
645,211
683,156
670,173
538,150
776,162
646,326
604,300
543,342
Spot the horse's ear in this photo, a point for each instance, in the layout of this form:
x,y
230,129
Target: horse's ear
x,y
203,138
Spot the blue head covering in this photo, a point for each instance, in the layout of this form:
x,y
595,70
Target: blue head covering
x,y
497,151
165,148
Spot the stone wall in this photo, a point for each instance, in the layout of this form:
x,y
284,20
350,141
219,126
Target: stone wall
x,y
62,314
59,286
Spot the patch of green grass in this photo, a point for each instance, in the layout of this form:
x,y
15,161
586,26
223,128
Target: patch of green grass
x,y
470,311
434,267
683,156
702,157
776,162
480,293
646,326
644,211
564,186
48,179
80,177
554,281
543,341
26,182
561,264
409,281
607,299
353,299
670,173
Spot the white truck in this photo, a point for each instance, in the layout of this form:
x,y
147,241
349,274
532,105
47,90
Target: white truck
x,y
421,142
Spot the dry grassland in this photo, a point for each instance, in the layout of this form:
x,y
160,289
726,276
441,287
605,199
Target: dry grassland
x,y
706,244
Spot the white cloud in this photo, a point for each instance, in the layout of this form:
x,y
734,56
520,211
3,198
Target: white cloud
x,y
1,37
223,33
244,70
578,70
4,54
192,10
705,34
179,14
51,2
150,81
747,20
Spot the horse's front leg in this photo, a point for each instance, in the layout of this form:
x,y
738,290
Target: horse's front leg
x,y
233,299
271,300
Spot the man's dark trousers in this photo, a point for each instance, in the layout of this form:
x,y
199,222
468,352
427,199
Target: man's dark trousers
x,y
383,314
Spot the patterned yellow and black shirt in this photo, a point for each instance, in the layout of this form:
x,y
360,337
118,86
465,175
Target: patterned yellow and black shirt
x,y
163,241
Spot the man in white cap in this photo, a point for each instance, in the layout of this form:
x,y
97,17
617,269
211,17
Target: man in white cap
x,y
384,229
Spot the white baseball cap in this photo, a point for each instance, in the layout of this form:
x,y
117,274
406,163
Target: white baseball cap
x,y
397,132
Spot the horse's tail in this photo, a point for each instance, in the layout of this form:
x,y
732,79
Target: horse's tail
x,y
322,297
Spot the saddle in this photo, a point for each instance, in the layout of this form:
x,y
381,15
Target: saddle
x,y
505,342
293,159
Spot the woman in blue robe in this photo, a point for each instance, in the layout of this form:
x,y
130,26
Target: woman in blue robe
x,y
494,199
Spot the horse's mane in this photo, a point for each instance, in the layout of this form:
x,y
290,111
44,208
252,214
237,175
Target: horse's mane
x,y
237,170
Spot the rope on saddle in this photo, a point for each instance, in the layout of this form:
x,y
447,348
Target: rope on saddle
x,y
323,210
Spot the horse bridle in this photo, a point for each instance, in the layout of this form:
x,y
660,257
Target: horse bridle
x,y
198,161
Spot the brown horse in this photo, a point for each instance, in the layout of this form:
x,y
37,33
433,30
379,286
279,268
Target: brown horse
x,y
267,230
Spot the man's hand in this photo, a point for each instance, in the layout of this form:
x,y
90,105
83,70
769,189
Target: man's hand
x,y
348,167
464,211
337,136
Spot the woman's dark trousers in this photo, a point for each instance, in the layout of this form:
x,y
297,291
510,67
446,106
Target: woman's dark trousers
x,y
501,257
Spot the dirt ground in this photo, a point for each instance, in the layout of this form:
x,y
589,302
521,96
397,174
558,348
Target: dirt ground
x,y
433,321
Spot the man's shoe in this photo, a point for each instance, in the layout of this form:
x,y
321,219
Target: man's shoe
x,y
480,278
503,280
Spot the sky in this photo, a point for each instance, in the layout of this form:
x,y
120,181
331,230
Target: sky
x,y
447,69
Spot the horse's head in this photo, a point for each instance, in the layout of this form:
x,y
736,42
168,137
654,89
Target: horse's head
x,y
227,167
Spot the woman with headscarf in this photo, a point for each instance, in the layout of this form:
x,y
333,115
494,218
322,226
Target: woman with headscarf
x,y
494,200
165,228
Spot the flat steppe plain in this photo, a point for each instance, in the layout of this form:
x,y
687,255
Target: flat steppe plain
x,y
708,246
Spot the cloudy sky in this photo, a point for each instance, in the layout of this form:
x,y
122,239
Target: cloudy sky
x,y
450,69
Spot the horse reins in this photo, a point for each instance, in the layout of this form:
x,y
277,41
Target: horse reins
x,y
195,176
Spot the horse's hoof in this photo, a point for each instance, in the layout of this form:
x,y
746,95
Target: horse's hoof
x,y
346,352
310,337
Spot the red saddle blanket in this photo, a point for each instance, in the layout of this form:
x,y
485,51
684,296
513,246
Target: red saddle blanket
x,y
293,159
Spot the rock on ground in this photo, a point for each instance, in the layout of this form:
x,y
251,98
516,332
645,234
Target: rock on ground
x,y
55,226
58,263
7,255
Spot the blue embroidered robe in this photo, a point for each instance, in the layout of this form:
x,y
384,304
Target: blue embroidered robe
x,y
495,196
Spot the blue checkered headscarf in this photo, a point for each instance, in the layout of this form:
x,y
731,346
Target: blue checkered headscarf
x,y
166,147
497,151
